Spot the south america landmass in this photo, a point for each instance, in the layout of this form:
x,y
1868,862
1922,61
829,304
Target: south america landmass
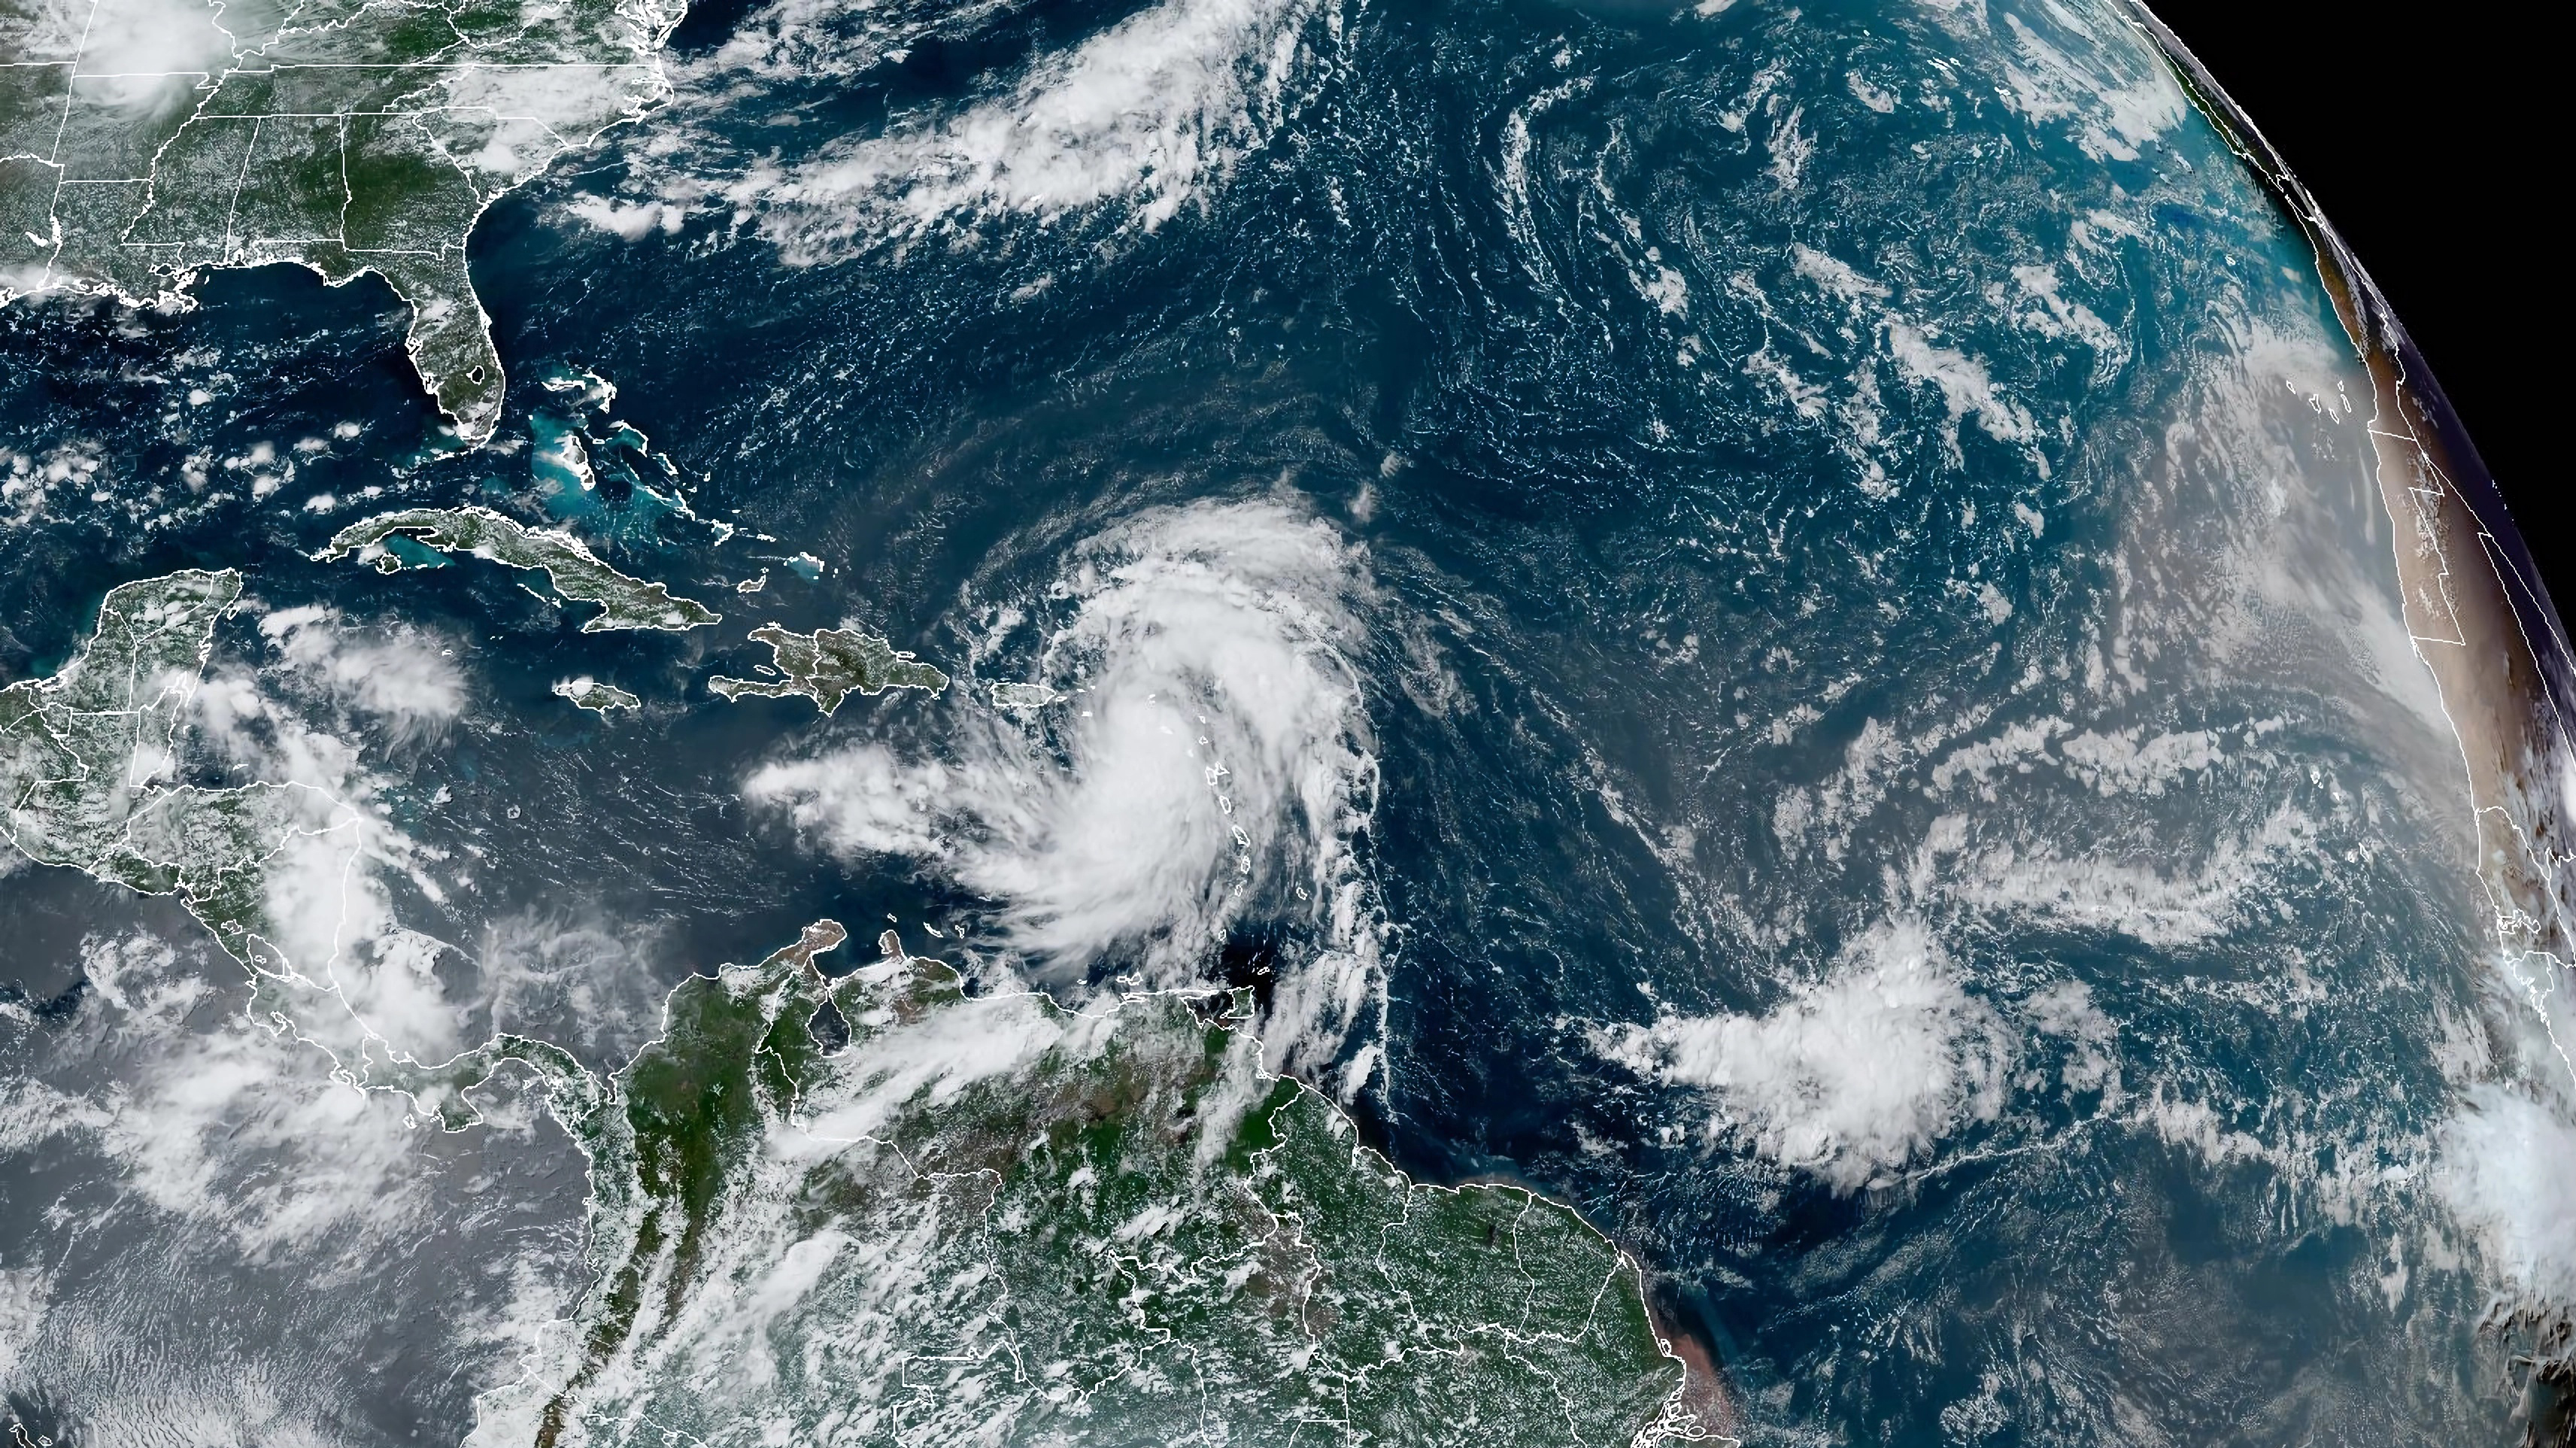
x,y
879,1208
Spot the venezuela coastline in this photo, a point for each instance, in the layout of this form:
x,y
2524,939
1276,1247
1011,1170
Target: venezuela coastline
x,y
879,1208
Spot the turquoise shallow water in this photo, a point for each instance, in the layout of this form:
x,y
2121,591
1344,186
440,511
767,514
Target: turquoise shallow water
x,y
1792,602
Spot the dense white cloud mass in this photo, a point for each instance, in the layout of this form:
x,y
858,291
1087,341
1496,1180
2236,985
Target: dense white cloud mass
x,y
403,675
2508,1171
329,884
1142,120
1211,758
1850,1076
1152,109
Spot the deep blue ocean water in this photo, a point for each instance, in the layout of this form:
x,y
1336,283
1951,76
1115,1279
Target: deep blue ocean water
x,y
1761,445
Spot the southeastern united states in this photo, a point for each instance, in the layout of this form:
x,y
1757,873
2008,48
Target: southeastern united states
x,y
345,138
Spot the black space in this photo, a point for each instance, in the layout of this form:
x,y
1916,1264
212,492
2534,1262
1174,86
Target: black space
x,y
2422,132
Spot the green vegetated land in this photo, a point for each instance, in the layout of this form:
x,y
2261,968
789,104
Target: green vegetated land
x,y
86,756
570,567
597,697
829,665
142,141
86,760
878,1210
1022,698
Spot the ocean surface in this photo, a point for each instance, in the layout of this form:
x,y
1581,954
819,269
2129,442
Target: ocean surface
x,y
1772,620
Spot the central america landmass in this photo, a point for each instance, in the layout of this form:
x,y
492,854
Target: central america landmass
x,y
877,1208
